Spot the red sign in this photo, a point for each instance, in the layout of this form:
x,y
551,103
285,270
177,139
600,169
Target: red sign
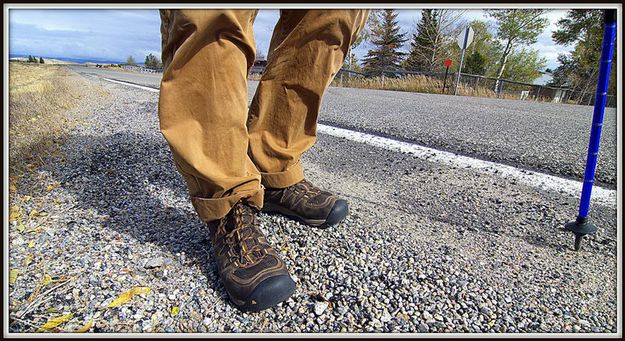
x,y
448,62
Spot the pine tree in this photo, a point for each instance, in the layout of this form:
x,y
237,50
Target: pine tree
x,y
387,41
151,61
425,43
474,64
41,60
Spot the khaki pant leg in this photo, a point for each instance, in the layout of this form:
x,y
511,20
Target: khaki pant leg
x,y
306,51
203,105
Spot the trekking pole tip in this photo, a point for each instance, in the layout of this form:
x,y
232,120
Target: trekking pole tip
x,y
580,227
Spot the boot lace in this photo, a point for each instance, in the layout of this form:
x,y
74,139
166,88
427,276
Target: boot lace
x,y
241,230
306,189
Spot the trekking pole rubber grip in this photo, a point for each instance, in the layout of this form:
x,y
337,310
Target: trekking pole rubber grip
x,y
609,16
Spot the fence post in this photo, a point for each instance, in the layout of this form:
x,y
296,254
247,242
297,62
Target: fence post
x,y
538,92
580,100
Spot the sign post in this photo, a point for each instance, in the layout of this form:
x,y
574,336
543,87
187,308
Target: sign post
x,y
464,40
448,63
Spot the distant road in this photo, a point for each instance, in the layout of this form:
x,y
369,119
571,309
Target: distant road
x,y
545,137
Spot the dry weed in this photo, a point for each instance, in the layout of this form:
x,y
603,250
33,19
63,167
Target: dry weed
x,y
43,105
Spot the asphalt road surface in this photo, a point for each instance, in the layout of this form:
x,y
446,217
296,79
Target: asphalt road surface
x,y
427,247
545,137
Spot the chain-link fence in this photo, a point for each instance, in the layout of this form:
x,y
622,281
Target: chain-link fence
x,y
137,68
473,85
143,68
438,82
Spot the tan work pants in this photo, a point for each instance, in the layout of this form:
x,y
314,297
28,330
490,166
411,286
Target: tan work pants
x,y
222,150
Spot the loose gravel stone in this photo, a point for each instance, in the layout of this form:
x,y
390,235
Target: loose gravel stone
x,y
320,308
154,263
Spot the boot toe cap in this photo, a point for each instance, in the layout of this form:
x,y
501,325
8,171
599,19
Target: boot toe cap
x,y
338,212
270,292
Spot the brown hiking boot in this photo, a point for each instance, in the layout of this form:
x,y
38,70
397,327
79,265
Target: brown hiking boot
x,y
306,203
252,272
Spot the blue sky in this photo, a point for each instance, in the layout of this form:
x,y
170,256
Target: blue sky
x,y
116,34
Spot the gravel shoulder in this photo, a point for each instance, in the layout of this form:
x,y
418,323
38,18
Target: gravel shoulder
x,y
426,248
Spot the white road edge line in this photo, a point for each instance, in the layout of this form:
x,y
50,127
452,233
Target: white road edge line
x,y
547,182
542,181
129,84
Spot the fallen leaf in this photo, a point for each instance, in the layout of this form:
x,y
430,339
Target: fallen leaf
x,y
52,186
174,311
36,214
15,213
127,271
35,230
20,227
127,296
31,244
55,322
13,275
404,317
12,188
27,260
52,310
84,328
46,279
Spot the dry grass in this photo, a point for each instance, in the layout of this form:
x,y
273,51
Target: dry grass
x,y
45,61
414,83
43,106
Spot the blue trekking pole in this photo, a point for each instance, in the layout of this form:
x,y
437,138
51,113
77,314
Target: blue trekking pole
x,y
581,226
